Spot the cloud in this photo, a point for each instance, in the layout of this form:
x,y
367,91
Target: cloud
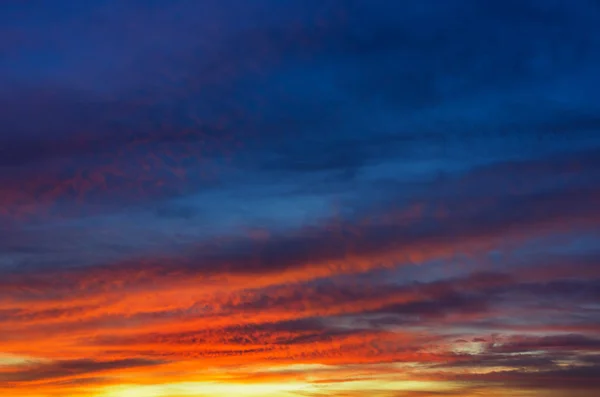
x,y
335,197
71,368
569,378
178,107
382,238
569,342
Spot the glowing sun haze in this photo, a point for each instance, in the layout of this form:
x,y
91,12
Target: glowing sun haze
x,y
311,198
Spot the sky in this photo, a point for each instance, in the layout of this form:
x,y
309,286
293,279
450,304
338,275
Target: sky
x,y
299,198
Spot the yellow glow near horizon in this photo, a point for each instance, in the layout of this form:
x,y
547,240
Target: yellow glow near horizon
x,y
207,389
392,385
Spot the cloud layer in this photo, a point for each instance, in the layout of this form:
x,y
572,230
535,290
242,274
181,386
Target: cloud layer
x,y
300,198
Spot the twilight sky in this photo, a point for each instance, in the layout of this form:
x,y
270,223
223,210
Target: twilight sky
x,y
299,198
